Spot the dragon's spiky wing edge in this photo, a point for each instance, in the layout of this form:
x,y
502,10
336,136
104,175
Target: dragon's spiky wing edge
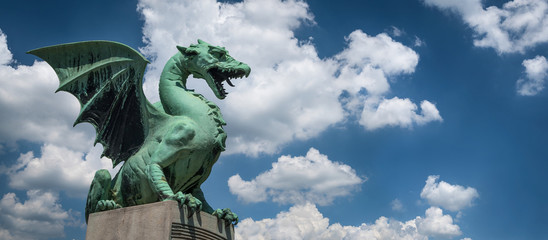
x,y
106,78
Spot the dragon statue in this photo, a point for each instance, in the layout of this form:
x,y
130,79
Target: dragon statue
x,y
168,148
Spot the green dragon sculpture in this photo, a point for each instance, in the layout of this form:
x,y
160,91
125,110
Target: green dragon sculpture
x,y
168,148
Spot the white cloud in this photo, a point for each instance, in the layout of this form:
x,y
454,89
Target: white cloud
x,y
6,235
419,42
313,178
281,105
536,70
5,54
32,111
436,224
291,93
380,52
396,205
39,217
396,32
450,197
306,222
369,78
301,222
518,25
379,113
57,169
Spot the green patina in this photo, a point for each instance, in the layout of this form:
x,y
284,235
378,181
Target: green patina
x,y
167,148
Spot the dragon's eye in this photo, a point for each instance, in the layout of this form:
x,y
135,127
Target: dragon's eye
x,y
218,54
192,53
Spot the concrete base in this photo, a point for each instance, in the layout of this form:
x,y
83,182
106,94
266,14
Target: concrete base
x,y
161,220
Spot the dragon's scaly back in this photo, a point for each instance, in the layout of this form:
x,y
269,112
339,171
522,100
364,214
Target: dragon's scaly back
x,y
106,77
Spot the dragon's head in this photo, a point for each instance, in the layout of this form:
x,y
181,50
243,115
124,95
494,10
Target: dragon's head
x,y
214,65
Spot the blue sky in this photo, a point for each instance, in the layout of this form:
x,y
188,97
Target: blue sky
x,y
392,119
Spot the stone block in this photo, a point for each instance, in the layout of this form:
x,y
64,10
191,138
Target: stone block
x,y
161,220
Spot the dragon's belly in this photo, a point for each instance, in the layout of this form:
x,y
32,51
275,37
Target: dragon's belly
x,y
192,168
195,161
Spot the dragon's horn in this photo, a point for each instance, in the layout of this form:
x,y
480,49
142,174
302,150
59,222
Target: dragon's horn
x,y
181,49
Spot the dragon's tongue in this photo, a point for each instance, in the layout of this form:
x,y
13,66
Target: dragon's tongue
x,y
229,82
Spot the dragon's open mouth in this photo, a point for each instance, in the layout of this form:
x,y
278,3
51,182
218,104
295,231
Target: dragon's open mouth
x,y
220,75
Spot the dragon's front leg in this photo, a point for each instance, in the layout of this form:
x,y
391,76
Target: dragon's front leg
x,y
99,196
223,214
175,139
227,215
159,184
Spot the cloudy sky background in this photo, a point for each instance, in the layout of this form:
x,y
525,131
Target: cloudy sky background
x,y
389,119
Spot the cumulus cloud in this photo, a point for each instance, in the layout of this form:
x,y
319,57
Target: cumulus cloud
x,y
5,54
39,217
57,169
518,25
436,224
380,52
448,196
379,113
306,222
536,71
32,111
291,93
312,178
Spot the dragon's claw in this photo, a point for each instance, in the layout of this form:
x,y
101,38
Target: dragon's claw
x,y
193,204
226,214
105,205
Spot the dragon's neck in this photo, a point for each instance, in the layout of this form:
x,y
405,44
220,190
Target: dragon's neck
x,y
173,86
177,100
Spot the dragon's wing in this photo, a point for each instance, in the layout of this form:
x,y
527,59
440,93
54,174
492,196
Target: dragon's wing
x,y
106,77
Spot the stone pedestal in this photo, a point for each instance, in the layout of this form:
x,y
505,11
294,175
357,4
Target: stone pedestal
x,y
161,220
